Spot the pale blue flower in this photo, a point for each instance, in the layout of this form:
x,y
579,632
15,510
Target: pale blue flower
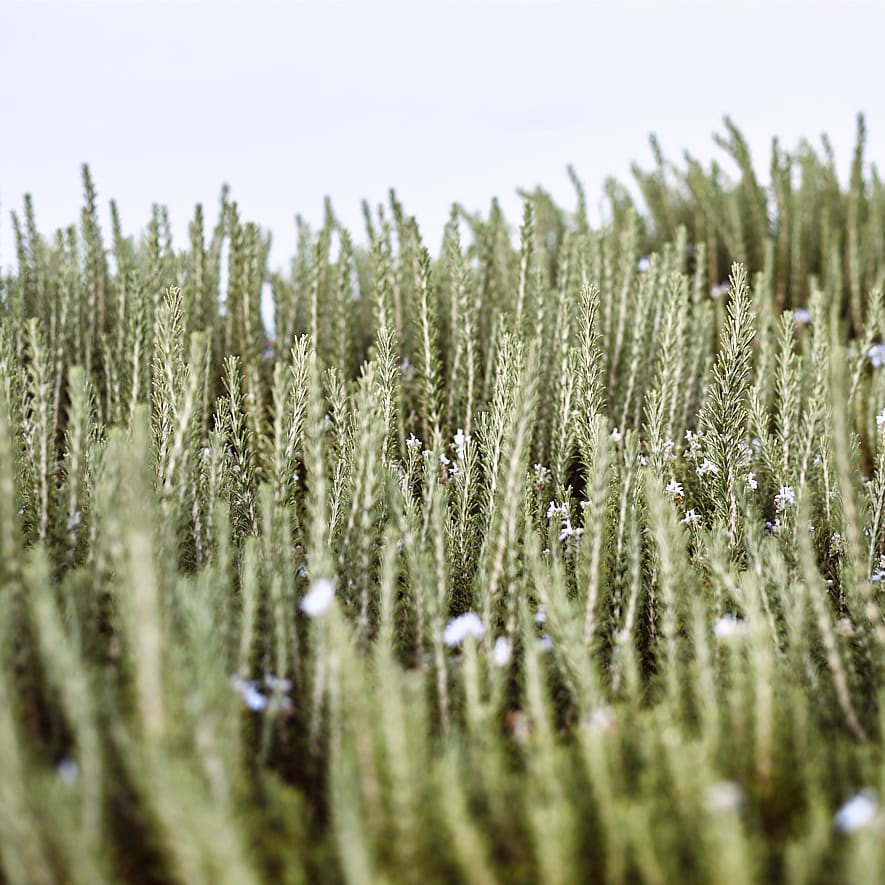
x,y
876,355
502,652
858,812
318,598
250,694
458,629
68,771
729,627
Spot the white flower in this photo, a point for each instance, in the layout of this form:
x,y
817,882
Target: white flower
x,y
876,355
541,615
458,629
444,461
413,442
502,652
729,627
880,418
568,531
690,517
674,488
617,436
845,628
752,482
545,643
719,290
600,719
318,598
461,440
643,264
724,796
643,460
877,575
73,523
858,812
707,466
785,496
801,316
557,509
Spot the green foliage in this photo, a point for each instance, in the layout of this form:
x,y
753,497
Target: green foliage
x,y
538,563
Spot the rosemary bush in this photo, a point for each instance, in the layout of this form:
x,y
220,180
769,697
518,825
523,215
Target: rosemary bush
x,y
551,563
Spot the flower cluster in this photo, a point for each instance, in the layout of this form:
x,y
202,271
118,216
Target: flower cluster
x,y
568,530
784,497
542,477
694,445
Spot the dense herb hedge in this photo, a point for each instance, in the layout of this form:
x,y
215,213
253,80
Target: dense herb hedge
x,y
551,563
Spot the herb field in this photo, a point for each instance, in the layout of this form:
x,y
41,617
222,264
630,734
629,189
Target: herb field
x,y
548,554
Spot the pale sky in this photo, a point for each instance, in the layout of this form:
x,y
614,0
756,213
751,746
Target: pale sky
x,y
290,101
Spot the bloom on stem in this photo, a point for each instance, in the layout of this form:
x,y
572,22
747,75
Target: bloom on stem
x,y
785,496
674,488
707,466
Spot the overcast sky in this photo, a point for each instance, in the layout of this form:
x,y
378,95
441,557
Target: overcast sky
x,y
290,101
